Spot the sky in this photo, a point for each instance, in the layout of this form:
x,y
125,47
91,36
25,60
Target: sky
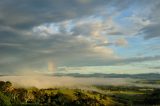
x,y
79,36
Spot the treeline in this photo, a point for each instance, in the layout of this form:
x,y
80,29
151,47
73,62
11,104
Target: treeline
x,y
124,88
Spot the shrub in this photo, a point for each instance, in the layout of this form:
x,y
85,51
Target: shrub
x,y
4,100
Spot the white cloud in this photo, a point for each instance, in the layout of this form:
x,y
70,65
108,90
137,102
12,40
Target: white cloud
x,y
46,30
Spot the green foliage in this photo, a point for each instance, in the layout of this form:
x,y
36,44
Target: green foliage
x,y
77,97
4,100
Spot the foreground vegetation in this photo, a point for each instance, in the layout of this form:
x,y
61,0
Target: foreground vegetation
x,y
104,96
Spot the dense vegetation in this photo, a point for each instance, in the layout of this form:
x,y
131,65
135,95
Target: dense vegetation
x,y
111,96
52,97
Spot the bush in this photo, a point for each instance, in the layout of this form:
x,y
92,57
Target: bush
x,y
4,100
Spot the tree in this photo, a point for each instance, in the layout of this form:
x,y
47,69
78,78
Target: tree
x,y
7,87
2,83
153,98
21,94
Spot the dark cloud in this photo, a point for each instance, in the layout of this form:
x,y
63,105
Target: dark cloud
x,y
151,31
156,67
120,61
30,13
141,59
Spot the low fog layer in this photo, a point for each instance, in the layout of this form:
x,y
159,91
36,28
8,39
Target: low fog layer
x,y
50,81
42,81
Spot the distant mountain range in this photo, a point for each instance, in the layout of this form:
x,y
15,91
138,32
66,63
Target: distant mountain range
x,y
149,76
